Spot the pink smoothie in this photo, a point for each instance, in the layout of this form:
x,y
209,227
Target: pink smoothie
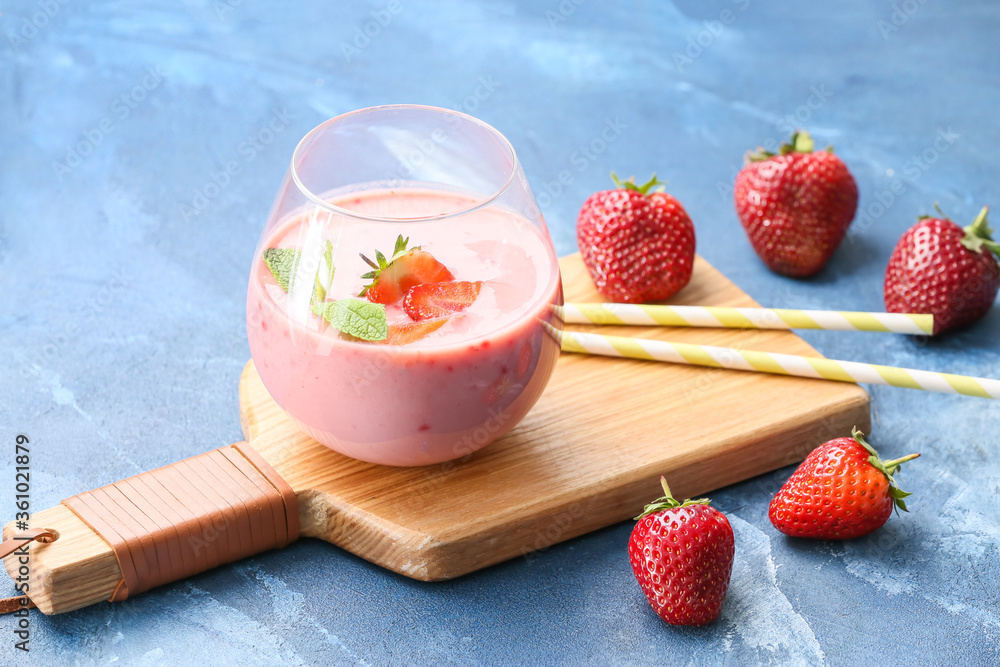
x,y
432,400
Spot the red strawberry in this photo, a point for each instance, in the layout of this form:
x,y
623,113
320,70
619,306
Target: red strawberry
x,y
638,245
403,333
842,490
409,332
440,299
796,206
942,269
682,557
393,278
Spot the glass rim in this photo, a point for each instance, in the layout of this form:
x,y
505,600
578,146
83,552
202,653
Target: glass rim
x,y
333,208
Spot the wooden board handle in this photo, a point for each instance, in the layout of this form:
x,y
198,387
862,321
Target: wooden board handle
x,y
76,570
157,527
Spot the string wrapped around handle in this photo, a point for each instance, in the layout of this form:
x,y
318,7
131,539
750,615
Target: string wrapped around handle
x,y
190,516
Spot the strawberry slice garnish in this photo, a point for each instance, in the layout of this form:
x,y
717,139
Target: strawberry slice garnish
x,y
409,332
439,299
391,279
403,333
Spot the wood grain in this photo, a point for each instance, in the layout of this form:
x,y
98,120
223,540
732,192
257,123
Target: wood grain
x,y
588,455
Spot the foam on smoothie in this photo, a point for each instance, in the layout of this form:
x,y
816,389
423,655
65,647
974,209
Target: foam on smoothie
x,y
492,245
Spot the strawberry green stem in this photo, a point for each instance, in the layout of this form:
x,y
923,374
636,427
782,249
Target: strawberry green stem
x,y
891,466
668,501
641,189
980,226
979,235
887,468
801,142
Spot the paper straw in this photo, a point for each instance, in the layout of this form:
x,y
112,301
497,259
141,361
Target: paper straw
x,y
744,318
773,362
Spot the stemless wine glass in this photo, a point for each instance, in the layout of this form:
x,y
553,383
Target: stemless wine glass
x,y
434,378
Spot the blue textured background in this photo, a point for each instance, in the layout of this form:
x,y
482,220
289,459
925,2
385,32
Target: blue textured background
x,y
122,297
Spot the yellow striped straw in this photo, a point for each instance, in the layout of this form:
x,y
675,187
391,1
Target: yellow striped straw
x,y
743,318
773,362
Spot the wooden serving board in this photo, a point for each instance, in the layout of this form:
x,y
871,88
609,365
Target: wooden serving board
x,y
588,455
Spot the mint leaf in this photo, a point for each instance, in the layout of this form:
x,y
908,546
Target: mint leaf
x,y
328,256
361,319
319,292
324,275
282,262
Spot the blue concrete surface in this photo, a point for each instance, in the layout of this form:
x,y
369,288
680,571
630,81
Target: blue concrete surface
x,y
123,271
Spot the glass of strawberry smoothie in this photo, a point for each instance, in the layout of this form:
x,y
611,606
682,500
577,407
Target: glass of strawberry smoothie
x,y
400,290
